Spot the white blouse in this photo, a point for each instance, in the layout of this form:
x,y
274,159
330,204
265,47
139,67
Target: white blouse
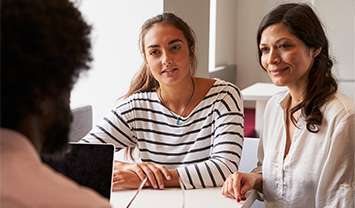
x,y
319,168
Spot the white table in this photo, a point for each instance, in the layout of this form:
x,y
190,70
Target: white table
x,y
173,198
260,93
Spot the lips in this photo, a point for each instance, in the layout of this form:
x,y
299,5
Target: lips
x,y
279,71
169,70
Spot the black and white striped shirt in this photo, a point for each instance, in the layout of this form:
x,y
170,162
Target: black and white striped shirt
x,y
204,148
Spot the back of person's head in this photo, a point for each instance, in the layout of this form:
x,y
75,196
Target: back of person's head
x,y
144,80
303,23
44,46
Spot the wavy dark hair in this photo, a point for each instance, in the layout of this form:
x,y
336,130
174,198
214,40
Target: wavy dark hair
x,y
44,47
144,79
303,23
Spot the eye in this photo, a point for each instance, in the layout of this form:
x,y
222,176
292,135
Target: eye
x,y
283,46
153,52
175,48
264,49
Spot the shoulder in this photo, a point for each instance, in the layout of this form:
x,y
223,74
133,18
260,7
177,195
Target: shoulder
x,y
138,99
52,189
148,94
224,86
340,105
64,190
277,99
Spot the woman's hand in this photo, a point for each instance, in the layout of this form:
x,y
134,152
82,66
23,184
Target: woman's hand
x,y
155,173
237,184
126,179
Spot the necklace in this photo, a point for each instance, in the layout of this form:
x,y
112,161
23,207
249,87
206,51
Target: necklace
x,y
187,104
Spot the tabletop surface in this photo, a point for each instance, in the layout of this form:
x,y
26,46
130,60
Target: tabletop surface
x,y
173,197
261,91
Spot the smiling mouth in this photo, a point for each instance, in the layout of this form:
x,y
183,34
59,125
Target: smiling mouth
x,y
278,71
169,70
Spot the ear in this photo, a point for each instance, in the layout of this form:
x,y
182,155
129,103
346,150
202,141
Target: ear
x,y
316,52
192,51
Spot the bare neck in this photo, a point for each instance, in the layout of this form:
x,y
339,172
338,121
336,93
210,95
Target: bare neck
x,y
176,97
30,127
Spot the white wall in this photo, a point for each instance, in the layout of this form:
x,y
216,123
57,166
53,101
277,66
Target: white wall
x,y
338,19
225,32
116,26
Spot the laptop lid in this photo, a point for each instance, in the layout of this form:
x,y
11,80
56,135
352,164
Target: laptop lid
x,y
89,165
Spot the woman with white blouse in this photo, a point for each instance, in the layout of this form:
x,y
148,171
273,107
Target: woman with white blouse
x,y
306,150
186,128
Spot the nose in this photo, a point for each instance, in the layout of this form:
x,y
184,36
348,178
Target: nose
x,y
167,59
274,57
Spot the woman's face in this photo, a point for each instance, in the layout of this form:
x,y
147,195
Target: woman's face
x,y
285,57
167,54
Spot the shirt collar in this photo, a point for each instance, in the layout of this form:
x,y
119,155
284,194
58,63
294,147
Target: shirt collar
x,y
285,100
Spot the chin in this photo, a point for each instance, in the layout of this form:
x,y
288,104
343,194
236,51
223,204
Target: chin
x,y
278,82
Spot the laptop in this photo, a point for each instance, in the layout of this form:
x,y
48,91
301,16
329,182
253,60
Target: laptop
x,y
89,165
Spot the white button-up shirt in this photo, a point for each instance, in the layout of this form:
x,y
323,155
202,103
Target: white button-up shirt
x,y
318,170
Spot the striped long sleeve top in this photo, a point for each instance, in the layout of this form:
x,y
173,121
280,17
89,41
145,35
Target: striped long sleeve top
x,y
204,148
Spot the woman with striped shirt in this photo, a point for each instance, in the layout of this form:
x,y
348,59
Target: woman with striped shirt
x,y
184,127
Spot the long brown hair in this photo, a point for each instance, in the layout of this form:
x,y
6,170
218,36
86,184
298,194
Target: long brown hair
x,y
303,23
144,79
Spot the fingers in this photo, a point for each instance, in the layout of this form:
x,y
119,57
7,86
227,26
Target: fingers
x,y
227,187
236,185
240,185
154,173
126,179
139,171
115,185
165,171
230,187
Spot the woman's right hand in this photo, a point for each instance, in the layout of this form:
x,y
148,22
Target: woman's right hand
x,y
237,184
153,172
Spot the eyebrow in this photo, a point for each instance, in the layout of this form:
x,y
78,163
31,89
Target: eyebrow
x,y
279,40
174,41
169,43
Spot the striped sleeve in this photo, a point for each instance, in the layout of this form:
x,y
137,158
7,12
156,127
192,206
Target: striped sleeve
x,y
114,129
227,143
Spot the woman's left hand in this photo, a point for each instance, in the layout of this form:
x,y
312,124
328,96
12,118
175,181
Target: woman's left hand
x,y
237,184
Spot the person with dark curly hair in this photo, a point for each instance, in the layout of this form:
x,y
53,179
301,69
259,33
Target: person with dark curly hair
x,y
45,45
306,150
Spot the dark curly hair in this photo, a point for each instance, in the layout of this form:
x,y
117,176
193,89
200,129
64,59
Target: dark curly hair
x,y
45,45
303,23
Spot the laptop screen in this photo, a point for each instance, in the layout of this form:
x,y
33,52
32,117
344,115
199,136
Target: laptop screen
x,y
89,165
